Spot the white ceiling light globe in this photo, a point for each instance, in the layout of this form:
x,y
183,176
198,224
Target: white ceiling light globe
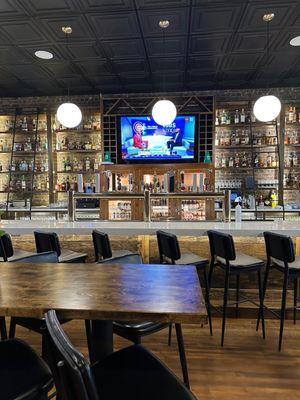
x,y
267,108
164,112
69,115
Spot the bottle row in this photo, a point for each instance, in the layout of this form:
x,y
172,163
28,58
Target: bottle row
x,y
26,166
30,145
292,160
291,181
65,185
88,123
65,143
75,165
291,115
292,137
244,160
23,184
228,117
243,137
25,124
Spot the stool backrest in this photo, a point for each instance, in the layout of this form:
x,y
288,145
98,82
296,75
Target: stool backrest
x,y
40,258
47,241
168,246
74,378
6,247
221,245
280,247
102,246
133,258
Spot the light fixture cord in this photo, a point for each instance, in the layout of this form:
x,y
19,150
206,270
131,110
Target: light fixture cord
x,y
268,53
164,54
67,40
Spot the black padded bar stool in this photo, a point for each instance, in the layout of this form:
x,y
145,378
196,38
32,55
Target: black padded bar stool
x,y
49,241
169,253
102,247
7,250
281,256
223,255
135,331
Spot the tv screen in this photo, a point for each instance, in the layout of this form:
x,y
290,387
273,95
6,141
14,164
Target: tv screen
x,y
141,139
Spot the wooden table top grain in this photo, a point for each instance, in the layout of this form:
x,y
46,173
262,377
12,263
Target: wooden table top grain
x,y
161,293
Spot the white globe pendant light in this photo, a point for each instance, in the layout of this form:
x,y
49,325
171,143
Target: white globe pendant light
x,y
69,115
267,108
164,112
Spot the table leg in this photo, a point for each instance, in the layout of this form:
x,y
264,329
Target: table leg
x,y
99,338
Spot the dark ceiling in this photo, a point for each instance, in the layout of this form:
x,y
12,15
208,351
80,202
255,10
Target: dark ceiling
x,y
117,46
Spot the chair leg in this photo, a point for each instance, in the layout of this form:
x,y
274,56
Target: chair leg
x,y
225,304
237,295
12,328
210,273
295,298
170,335
283,305
261,303
207,300
182,356
264,290
3,328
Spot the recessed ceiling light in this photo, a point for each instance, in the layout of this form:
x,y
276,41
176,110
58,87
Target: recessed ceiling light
x,y
268,17
295,41
164,23
45,55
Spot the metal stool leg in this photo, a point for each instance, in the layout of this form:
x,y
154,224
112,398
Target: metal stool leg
x,y
12,328
295,298
225,303
207,300
283,305
261,304
264,290
237,296
182,355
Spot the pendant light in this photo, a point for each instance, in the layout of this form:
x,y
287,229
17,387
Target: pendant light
x,y
267,107
164,111
68,114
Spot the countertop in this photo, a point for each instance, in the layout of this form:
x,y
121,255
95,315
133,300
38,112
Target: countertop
x,y
246,228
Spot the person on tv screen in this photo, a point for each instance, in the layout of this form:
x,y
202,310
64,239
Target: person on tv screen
x,y
138,141
176,140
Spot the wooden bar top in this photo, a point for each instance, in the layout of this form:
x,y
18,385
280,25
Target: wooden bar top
x,y
162,293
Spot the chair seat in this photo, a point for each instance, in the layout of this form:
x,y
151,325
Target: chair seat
x,y
191,258
19,253
129,329
119,253
71,256
23,373
242,261
134,373
293,265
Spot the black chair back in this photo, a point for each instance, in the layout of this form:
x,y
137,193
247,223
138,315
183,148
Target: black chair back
x,y
134,258
102,246
280,247
168,247
221,245
40,258
6,247
75,379
47,241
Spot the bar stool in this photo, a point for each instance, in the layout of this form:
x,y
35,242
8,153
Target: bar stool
x,y
281,256
223,255
48,241
169,253
102,247
7,251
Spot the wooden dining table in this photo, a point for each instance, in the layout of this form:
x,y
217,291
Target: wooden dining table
x,y
101,293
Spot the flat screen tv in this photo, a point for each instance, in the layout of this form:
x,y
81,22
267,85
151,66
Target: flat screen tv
x,y
142,140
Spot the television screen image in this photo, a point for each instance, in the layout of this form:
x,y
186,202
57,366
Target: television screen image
x,y
142,139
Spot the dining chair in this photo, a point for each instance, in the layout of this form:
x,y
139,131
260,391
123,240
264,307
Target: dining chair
x,y
281,256
234,263
170,253
102,247
131,373
49,241
24,375
135,331
33,324
7,250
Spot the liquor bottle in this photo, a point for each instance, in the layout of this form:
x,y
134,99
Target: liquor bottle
x,y
223,117
68,165
231,162
23,183
1,145
236,117
233,139
227,140
87,164
295,160
243,116
68,185
217,141
96,165
24,124
223,161
222,139
217,118
256,161
269,160
63,186
274,162
244,160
